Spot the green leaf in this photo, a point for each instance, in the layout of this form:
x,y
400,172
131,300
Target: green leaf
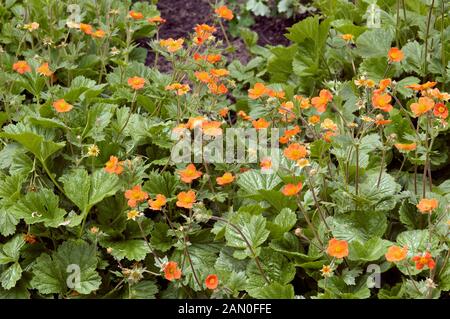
x,y
282,223
8,222
359,225
10,251
160,240
413,57
274,291
133,249
40,207
349,276
52,273
165,183
146,289
370,250
252,181
10,276
374,43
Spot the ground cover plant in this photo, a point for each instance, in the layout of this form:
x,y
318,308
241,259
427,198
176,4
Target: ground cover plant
x,y
316,169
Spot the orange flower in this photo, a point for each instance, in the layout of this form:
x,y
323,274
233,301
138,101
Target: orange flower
x,y
244,115
423,260
212,128
194,122
86,28
98,34
224,13
172,45
284,139
259,89
180,89
61,106
305,102
189,174
396,253
291,189
320,102
159,202
136,15
223,112
135,196
277,94
260,124
328,135
347,37
186,199
384,84
203,33
382,102
226,178
171,271
440,110
328,124
113,166
421,87
156,20
292,132
427,205
213,58
406,147
219,72
217,89
395,55
286,107
423,106
21,67
295,151
136,82
212,282
44,70
435,93
337,248
314,119
203,76
266,164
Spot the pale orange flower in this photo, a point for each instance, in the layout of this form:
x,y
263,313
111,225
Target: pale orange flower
x,y
337,248
212,128
224,13
225,179
135,196
189,174
212,281
260,124
259,89
136,82
172,45
86,28
396,253
113,166
395,55
156,20
406,147
223,112
291,189
202,76
440,110
244,115
44,70
136,15
382,102
217,89
186,199
158,203
21,67
347,37
171,271
427,205
421,87
320,102
314,119
180,89
61,106
266,164
421,107
98,34
295,151
219,72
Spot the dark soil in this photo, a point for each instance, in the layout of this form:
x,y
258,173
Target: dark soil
x,y
183,15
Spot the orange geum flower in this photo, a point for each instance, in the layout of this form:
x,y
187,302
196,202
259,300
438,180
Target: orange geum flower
x,y
292,189
203,33
180,89
203,76
286,107
260,124
21,67
347,37
292,132
382,102
172,45
337,248
295,151
212,281
61,106
244,115
440,110
328,135
135,196
396,253
277,94
136,82
224,13
320,102
225,179
217,89
158,203
136,15
213,58
219,72
395,55
156,20
186,199
86,28
423,260
406,147
328,124
223,112
284,139
259,89
421,87
427,205
383,85
189,174
44,70
196,121
98,34
314,119
441,96
421,107
212,128
113,166
171,271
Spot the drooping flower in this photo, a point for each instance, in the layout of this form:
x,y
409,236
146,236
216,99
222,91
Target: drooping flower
x,y
113,166
260,124
186,199
158,203
136,15
224,13
396,253
21,67
295,151
223,112
337,248
98,34
225,179
171,271
406,147
203,33
421,107
423,260
172,45
135,196
427,205
421,87
320,102
86,28
382,102
244,115
189,174
156,20
292,189
214,88
258,90
219,72
440,110
136,82
395,55
44,70
61,106
212,281
180,89
347,37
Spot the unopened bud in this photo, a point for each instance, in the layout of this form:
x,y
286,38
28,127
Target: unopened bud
x,y
298,232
